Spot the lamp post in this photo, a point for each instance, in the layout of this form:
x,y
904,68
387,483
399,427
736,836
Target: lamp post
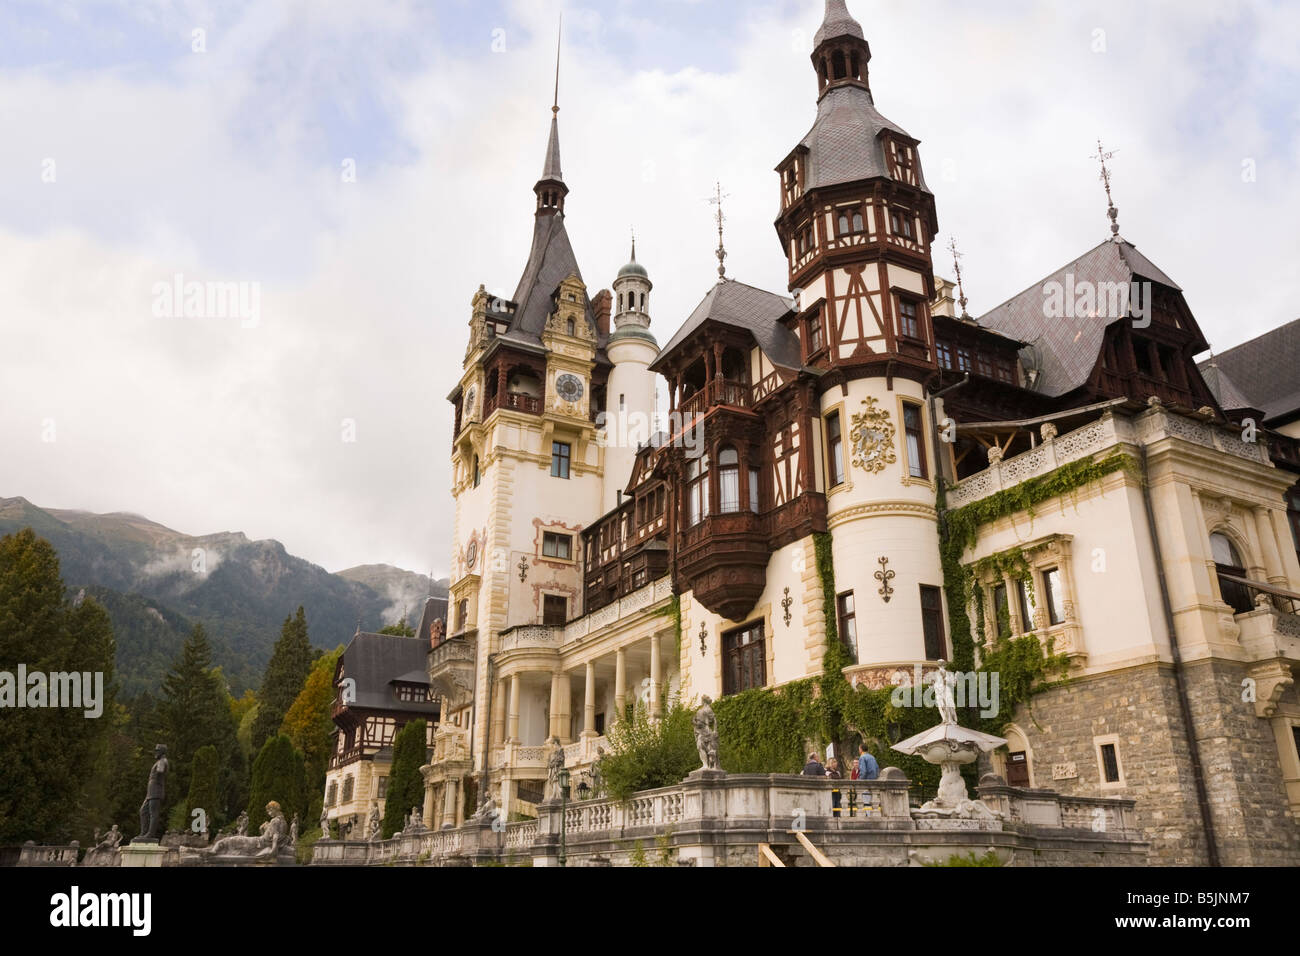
x,y
564,805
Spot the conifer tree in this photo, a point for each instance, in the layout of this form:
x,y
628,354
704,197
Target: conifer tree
x,y
50,756
288,668
279,775
195,712
308,723
405,784
205,792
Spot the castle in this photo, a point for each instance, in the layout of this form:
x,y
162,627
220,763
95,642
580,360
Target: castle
x,y
606,553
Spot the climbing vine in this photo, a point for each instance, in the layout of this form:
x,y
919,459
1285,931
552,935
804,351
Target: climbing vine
x,y
770,730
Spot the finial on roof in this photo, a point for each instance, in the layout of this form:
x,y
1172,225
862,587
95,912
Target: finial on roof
x,y
716,200
1111,211
634,243
559,37
956,264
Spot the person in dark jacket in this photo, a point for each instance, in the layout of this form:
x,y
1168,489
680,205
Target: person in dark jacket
x,y
813,768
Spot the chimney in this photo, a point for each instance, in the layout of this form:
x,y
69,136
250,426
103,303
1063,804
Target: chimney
x,y
602,303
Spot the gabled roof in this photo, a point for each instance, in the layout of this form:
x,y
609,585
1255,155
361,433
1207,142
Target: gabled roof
x,y
844,144
744,307
1070,346
1267,370
375,661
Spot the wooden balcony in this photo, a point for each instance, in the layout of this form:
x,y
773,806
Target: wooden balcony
x,y
515,401
725,559
720,391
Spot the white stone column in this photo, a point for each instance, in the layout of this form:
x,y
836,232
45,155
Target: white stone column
x,y
499,713
564,713
656,677
513,729
620,682
1268,542
553,724
589,701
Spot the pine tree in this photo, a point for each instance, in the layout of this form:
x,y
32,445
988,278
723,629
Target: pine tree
x,y
205,792
405,784
290,663
279,775
53,761
195,712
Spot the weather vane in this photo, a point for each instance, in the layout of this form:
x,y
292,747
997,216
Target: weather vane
x,y
956,264
1111,211
716,200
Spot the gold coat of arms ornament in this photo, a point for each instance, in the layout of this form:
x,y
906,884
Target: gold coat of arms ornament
x,y
872,436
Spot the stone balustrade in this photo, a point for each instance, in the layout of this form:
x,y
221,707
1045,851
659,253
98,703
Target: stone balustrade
x,y
611,613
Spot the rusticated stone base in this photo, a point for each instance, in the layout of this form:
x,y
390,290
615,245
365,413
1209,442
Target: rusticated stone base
x,y
1139,708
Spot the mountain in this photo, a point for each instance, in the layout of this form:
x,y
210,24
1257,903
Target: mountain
x,y
156,583
405,590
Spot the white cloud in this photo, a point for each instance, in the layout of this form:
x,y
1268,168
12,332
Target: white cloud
x,y
221,171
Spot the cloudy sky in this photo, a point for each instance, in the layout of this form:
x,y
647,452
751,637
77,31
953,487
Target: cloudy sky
x,y
136,150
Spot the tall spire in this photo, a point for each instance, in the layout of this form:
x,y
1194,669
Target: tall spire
x,y
551,189
956,265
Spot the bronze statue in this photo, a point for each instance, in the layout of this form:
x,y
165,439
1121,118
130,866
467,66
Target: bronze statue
x,y
150,810
706,734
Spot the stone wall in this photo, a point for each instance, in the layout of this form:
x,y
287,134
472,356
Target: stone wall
x,y
1139,707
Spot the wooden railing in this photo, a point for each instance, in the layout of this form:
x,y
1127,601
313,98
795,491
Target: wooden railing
x,y
515,401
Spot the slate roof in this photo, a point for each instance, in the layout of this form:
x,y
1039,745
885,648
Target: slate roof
x,y
550,262
844,143
551,169
1224,390
838,22
1070,346
375,661
1266,370
745,307
435,609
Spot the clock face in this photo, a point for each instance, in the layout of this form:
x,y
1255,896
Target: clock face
x,y
569,388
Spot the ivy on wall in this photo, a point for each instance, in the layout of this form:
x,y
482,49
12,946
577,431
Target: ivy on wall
x,y
770,730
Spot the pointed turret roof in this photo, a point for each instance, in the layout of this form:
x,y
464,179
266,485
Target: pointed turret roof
x,y
551,171
838,22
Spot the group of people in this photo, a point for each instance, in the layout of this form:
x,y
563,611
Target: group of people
x,y
865,769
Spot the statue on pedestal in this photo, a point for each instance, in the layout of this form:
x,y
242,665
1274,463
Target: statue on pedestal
x,y
706,734
293,830
373,824
150,821
105,850
553,767
487,811
325,825
944,697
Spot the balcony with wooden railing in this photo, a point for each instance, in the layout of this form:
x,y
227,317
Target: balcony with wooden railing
x,y
515,402
719,391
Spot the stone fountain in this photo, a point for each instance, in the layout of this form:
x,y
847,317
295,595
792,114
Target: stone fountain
x,y
950,745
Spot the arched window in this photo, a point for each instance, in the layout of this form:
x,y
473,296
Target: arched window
x,y
697,493
729,480
462,614
642,301
620,302
572,327
1228,562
